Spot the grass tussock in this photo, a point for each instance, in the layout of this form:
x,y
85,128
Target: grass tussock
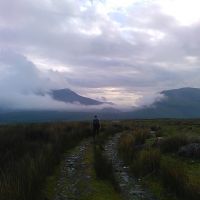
x,y
175,177
173,143
125,147
130,142
143,161
140,135
147,162
103,167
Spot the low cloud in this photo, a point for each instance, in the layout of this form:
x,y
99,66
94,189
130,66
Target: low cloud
x,y
16,101
138,50
24,87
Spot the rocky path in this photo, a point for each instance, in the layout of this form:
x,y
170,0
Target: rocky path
x,y
131,189
77,178
72,177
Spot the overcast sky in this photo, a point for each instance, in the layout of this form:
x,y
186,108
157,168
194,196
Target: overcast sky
x,y
124,51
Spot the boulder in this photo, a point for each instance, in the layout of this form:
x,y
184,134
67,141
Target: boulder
x,y
190,150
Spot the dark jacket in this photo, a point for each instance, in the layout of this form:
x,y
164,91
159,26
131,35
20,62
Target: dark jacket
x,y
96,123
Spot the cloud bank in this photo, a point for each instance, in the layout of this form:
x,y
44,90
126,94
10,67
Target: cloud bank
x,y
124,51
24,87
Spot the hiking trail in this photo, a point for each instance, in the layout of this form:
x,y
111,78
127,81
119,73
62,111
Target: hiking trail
x,y
76,178
131,188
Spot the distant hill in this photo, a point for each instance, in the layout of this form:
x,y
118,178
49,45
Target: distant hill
x,y
69,96
177,103
182,97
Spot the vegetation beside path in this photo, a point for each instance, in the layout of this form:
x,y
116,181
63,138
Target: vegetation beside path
x,y
151,149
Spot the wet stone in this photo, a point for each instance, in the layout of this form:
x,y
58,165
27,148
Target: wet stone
x,y
129,186
71,174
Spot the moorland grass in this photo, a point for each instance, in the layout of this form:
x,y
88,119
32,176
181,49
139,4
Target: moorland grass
x,y
29,153
169,172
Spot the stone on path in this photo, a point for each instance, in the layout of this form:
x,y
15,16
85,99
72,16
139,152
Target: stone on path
x,y
129,186
72,175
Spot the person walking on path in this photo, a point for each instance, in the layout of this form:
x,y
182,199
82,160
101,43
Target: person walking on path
x,y
95,127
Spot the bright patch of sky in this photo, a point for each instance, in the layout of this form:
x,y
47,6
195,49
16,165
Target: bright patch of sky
x,y
185,11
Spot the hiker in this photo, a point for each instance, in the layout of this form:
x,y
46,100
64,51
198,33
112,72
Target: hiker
x,y
95,126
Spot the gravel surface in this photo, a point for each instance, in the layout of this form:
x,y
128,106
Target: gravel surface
x,y
70,184
130,187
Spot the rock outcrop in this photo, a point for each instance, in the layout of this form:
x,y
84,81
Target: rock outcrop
x,y
190,150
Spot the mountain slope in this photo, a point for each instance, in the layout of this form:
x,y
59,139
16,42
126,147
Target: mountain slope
x,y
182,97
178,103
68,96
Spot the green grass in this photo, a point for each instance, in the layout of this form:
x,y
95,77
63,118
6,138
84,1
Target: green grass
x,y
50,186
157,188
146,162
101,189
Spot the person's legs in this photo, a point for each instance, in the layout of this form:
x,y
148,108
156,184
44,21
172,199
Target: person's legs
x,y
97,132
94,134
